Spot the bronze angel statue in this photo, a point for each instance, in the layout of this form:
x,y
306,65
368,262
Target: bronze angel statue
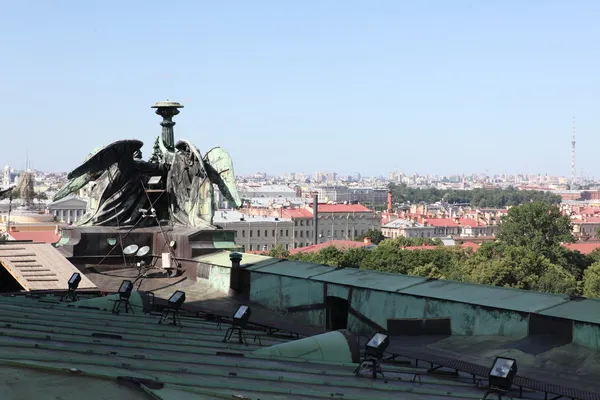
x,y
118,196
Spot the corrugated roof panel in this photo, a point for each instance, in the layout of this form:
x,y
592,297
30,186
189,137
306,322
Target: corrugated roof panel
x,y
484,295
67,346
370,279
222,259
579,310
294,269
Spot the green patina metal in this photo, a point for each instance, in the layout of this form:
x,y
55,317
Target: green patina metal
x,y
330,346
485,295
361,278
106,303
295,269
583,310
72,345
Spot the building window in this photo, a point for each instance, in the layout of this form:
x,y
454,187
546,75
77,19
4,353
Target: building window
x,y
273,233
301,223
243,233
266,234
258,233
281,232
287,233
301,233
250,234
250,247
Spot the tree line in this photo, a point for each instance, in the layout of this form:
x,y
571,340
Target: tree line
x,y
527,255
483,198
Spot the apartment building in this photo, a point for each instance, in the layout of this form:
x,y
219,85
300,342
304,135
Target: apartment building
x,y
256,232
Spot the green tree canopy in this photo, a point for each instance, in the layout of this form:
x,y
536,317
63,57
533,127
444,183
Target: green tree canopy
x,y
375,235
591,281
537,226
490,198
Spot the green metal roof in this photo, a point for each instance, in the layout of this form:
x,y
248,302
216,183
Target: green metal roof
x,y
295,269
485,295
585,310
222,259
69,352
370,279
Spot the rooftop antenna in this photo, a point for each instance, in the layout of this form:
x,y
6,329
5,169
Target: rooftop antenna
x,y
573,156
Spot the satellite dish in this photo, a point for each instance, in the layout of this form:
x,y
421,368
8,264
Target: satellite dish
x,y
143,251
131,249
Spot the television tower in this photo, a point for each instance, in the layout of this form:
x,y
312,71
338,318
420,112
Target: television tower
x,y
573,156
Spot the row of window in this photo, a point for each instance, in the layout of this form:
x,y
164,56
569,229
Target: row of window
x,y
267,247
307,234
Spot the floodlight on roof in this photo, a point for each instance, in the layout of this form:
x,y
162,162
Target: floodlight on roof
x,y
173,305
124,294
130,250
176,300
74,281
241,316
377,345
111,241
125,289
239,320
73,284
374,350
143,251
502,374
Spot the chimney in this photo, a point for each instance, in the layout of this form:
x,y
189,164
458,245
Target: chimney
x,y
316,216
239,282
389,201
367,240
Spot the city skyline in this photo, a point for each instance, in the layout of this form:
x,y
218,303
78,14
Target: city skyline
x,y
433,88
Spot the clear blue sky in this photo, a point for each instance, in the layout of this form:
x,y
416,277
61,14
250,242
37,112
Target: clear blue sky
x,y
371,86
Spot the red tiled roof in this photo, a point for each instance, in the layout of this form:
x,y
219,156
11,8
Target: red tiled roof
x,y
343,208
297,213
441,222
37,236
423,247
338,244
468,222
585,248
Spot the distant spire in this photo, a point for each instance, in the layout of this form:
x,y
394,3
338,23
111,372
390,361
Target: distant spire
x,y
573,155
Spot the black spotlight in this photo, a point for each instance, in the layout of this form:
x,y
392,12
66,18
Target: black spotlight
x,y
73,284
238,323
173,305
74,281
374,350
377,345
241,316
125,289
124,294
176,300
501,376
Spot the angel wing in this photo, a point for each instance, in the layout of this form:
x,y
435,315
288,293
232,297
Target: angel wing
x,y
3,191
97,163
219,167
